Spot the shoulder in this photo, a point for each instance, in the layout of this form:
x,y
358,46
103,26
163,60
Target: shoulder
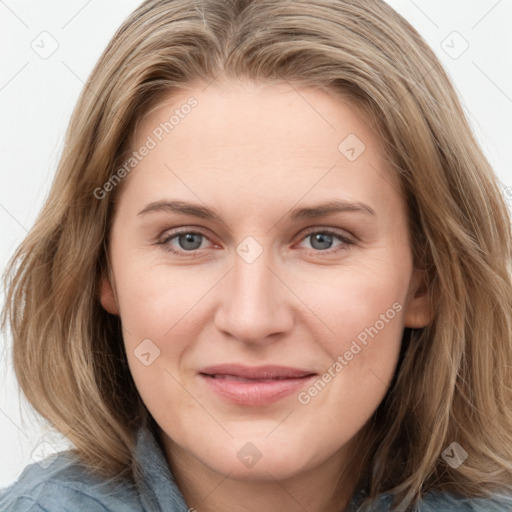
x,y
436,501
66,485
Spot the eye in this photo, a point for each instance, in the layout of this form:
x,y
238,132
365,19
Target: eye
x,y
187,241
322,240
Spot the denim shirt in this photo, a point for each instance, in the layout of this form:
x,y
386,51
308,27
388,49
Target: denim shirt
x,y
66,486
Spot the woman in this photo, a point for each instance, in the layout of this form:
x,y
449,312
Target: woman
x,y
273,273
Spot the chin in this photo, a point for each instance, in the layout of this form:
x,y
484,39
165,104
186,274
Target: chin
x,y
261,460
276,467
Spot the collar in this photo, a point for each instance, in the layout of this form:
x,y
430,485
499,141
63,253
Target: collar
x,y
158,491
157,488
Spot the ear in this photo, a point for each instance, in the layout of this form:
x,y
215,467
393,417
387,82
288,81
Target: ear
x,y
418,311
107,296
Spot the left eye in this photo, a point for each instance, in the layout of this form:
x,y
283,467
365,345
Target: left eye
x,y
320,239
190,241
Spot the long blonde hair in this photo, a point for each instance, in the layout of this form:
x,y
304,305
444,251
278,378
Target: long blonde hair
x,y
453,380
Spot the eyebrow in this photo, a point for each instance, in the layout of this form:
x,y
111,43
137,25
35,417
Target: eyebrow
x,y
203,212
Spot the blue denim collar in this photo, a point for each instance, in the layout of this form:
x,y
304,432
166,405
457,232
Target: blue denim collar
x,y
157,488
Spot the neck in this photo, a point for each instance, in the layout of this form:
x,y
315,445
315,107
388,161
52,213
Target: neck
x,y
327,487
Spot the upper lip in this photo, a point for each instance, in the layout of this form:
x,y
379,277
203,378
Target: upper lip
x,y
257,372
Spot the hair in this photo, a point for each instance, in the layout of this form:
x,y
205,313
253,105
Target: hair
x,y
453,379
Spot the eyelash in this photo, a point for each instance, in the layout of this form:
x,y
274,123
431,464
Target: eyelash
x,y
345,247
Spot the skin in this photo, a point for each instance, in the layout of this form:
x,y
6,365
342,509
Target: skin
x,y
253,153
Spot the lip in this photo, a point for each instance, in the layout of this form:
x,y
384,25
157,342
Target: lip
x,y
254,385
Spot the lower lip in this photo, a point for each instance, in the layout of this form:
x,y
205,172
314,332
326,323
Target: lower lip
x,y
255,392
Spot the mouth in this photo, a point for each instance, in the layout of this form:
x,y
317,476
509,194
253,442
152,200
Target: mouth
x,y
256,385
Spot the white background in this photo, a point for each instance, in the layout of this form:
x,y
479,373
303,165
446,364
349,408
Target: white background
x,y
37,96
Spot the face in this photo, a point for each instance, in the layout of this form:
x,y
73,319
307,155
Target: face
x,y
262,270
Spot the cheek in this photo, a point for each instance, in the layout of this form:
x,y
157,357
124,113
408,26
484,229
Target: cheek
x,y
161,325
363,308
162,314
156,300
354,300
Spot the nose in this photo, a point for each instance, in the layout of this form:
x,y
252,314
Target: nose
x,y
255,305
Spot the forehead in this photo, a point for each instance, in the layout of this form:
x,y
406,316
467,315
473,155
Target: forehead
x,y
266,139
241,114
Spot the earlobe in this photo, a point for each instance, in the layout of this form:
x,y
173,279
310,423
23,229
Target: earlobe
x,y
107,296
418,311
